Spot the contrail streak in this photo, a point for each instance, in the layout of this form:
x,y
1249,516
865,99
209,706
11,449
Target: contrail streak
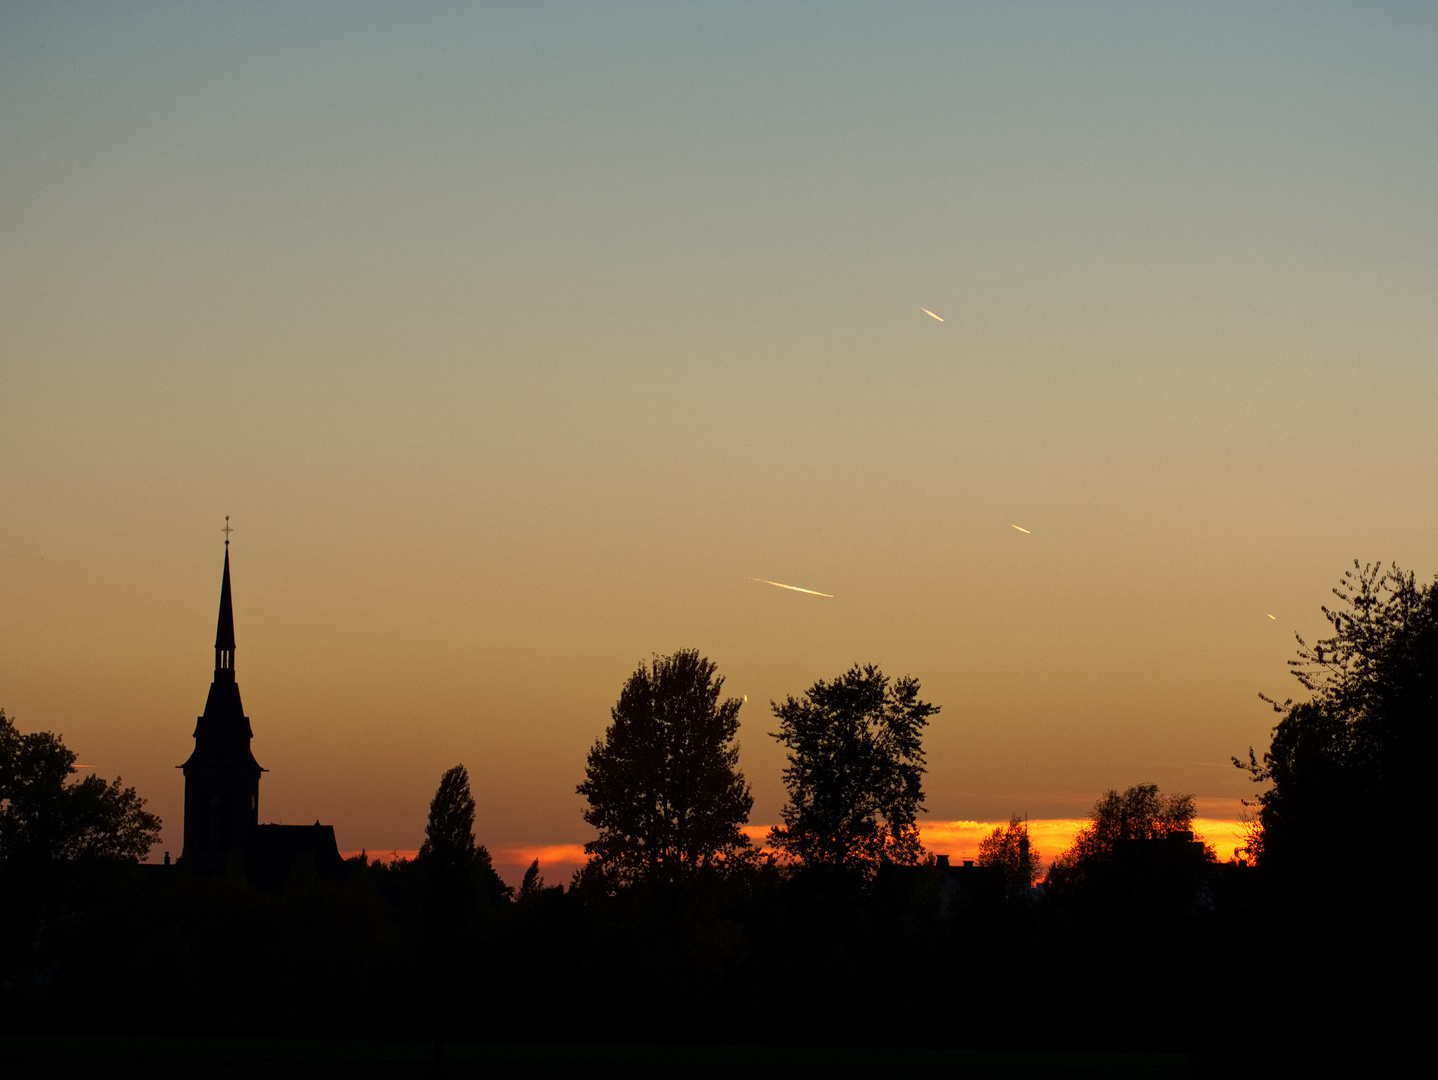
x,y
1020,529
796,588
926,311
1273,617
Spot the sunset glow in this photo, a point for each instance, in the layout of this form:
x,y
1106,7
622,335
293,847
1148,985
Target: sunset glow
x,y
959,840
487,348
398,398
1050,837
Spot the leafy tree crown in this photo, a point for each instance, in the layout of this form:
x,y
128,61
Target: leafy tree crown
x,y
855,770
663,783
449,833
43,817
1365,735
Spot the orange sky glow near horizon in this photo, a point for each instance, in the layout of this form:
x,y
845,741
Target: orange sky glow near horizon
x,y
957,839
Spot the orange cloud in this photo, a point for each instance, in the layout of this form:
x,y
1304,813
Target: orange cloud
x,y
557,862
1049,837
547,854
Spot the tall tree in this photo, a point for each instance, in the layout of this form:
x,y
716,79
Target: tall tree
x,y
663,783
449,856
456,875
1364,738
1359,749
855,771
449,832
43,817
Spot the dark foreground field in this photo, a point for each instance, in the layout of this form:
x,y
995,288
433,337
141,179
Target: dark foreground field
x,y
62,1057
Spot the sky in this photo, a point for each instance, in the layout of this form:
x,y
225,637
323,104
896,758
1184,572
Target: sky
x,y
517,341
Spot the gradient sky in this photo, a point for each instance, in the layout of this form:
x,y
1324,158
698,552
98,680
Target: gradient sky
x,y
518,340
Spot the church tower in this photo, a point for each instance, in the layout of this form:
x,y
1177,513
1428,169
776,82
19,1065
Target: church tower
x,y
222,777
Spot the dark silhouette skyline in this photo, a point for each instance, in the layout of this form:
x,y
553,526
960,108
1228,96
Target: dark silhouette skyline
x,y
1136,940
222,781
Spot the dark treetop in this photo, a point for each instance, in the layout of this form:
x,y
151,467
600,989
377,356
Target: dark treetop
x,y
663,784
856,764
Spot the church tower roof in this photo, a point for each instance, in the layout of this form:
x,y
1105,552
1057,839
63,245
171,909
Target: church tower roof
x,y
223,734
225,631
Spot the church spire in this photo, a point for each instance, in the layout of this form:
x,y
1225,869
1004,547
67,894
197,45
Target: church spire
x,y
222,777
225,629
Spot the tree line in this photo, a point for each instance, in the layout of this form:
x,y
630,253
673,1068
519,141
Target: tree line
x,y
843,931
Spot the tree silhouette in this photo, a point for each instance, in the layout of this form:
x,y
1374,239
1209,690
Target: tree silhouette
x,y
1365,737
456,875
449,858
663,783
1118,822
1008,849
449,833
1363,741
531,887
855,771
42,817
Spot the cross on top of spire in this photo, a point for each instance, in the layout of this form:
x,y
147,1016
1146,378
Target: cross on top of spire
x,y
227,530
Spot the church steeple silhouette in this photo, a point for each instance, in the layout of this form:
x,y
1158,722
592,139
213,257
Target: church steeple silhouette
x,y
222,777
225,629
